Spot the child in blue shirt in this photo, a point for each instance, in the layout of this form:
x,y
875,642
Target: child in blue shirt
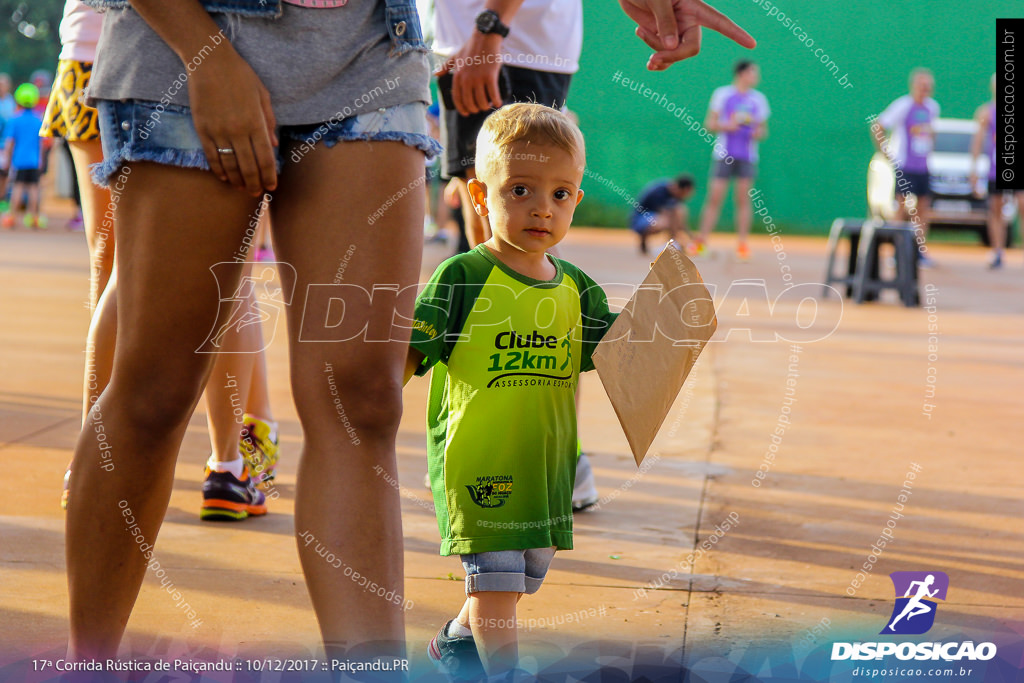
x,y
23,153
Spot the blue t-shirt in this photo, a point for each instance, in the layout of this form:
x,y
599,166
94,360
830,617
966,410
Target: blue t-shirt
x,y
24,128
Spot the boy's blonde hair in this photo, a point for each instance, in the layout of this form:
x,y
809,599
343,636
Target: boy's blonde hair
x,y
532,123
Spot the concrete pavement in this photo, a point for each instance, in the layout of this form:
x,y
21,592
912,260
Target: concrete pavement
x,y
856,426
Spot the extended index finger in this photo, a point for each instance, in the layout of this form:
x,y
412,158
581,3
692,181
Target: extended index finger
x,y
716,21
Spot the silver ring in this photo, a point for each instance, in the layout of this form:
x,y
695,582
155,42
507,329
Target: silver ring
x,y
225,150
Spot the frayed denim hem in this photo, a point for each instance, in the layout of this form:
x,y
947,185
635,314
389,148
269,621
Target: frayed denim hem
x,y
181,158
424,143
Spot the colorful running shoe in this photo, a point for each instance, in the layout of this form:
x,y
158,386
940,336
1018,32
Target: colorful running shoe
x,y
259,449
696,249
35,222
456,657
229,499
7,221
742,252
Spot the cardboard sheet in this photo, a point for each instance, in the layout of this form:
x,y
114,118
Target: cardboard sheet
x,y
648,352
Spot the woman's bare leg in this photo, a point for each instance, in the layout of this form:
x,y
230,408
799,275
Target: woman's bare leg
x,y
99,230
99,236
342,504
124,460
100,345
230,381
258,402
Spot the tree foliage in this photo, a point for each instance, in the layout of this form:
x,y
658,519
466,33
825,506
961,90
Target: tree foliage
x,y
28,36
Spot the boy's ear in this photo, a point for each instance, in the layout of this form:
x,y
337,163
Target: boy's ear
x,y
579,197
478,194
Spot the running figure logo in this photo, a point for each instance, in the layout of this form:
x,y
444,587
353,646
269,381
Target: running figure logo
x,y
257,299
914,612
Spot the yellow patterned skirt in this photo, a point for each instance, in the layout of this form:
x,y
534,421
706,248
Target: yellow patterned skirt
x,y
67,115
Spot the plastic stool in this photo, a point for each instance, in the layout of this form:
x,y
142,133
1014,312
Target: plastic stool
x,y
850,228
867,281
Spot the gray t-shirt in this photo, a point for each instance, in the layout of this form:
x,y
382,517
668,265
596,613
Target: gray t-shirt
x,y
314,62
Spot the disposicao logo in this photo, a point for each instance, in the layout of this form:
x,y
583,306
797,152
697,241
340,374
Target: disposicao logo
x,y
914,614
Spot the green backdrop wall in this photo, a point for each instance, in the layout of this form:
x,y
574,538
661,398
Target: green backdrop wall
x,y
814,162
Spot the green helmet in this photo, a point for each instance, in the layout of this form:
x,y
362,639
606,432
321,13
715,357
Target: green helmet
x,y
27,95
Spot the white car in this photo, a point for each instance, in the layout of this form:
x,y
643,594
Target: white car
x,y
949,167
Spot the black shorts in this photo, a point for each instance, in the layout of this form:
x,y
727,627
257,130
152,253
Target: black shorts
x,y
458,133
739,168
916,184
992,189
26,175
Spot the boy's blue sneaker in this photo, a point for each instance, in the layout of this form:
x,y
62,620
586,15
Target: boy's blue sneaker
x,y
456,657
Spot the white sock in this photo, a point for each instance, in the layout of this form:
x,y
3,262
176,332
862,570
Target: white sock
x,y
235,467
457,630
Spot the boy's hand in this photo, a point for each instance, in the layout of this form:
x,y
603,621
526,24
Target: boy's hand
x,y
412,361
672,28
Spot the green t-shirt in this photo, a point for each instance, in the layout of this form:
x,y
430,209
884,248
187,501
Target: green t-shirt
x,y
507,351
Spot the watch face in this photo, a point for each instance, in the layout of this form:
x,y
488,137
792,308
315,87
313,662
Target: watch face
x,y
485,21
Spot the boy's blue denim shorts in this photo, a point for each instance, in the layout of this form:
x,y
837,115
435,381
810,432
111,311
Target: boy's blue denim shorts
x,y
142,130
512,571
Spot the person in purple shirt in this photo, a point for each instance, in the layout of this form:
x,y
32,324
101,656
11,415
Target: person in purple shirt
x,y
739,114
909,121
986,136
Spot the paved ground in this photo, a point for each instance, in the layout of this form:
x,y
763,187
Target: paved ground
x,y
855,405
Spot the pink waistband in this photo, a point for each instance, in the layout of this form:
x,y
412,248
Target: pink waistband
x,y
317,4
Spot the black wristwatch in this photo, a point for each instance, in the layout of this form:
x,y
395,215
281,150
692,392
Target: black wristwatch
x,y
488,22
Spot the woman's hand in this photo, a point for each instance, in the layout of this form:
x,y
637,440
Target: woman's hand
x,y
233,117
230,106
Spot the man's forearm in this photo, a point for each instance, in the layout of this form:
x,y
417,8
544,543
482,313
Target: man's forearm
x,y
506,9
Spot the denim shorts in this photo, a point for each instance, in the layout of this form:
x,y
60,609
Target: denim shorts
x,y
512,571
141,130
